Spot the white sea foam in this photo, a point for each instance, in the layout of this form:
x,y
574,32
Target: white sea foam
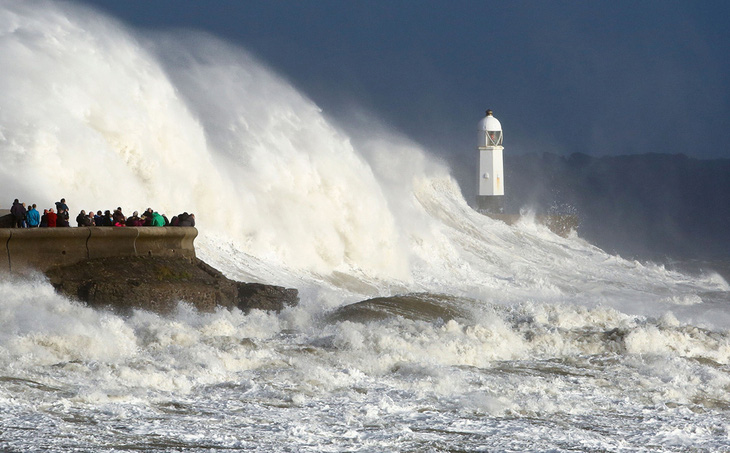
x,y
532,335
186,122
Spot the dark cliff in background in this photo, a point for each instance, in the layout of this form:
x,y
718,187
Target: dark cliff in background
x,y
650,206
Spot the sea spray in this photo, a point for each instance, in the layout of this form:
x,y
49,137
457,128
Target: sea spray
x,y
92,114
498,337
181,121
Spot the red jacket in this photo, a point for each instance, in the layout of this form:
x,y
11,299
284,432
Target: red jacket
x,y
52,219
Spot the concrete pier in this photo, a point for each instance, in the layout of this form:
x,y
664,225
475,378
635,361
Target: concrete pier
x,y
561,225
42,248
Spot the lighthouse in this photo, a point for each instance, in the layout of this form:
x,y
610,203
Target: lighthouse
x,y
491,171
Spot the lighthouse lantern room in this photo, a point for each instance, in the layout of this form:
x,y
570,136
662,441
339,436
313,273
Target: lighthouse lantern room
x,y
491,172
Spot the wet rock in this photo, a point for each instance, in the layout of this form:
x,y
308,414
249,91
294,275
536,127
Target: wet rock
x,y
265,297
158,284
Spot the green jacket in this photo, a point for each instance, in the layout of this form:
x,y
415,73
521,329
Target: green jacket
x,y
157,219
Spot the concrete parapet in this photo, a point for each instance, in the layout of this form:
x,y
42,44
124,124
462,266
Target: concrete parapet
x,y
6,218
169,242
106,242
5,255
43,248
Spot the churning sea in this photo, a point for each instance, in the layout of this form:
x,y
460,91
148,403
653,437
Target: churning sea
x,y
571,350
422,326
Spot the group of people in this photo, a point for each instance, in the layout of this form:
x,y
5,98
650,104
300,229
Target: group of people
x,y
31,218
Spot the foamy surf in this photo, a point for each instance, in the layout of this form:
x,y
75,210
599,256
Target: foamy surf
x,y
475,335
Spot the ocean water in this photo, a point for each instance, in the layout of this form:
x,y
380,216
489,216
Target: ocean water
x,y
422,326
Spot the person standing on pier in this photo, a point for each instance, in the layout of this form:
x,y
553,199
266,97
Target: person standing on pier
x,y
18,212
33,217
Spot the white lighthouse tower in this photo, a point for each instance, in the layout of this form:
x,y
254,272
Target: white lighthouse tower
x,y
491,172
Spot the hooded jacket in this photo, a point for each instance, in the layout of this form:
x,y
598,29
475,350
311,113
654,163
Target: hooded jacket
x,y
33,217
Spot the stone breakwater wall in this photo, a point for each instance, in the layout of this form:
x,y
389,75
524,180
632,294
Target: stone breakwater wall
x,y
562,225
43,248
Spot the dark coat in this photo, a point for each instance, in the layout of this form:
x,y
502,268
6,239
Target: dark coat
x,y
18,211
61,206
83,220
185,219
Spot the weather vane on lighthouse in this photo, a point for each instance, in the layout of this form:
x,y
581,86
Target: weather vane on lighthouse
x,y
491,171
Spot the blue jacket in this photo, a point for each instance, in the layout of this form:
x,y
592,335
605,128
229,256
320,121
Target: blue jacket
x,y
33,217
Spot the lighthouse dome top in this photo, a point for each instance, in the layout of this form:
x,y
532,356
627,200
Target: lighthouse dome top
x,y
490,123
490,131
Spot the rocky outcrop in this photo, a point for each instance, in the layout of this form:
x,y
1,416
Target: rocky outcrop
x,y
159,283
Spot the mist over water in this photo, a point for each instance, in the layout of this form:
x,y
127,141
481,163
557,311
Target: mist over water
x,y
202,127
498,336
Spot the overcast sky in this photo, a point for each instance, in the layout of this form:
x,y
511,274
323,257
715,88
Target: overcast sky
x,y
598,77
